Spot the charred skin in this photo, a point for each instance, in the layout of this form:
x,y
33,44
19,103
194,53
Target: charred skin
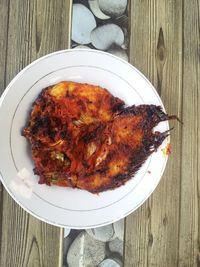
x,y
83,137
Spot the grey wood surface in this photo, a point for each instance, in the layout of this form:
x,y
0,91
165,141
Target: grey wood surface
x,y
3,47
29,29
189,232
164,45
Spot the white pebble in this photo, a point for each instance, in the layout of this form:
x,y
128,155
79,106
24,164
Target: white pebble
x,y
104,36
83,22
104,233
113,8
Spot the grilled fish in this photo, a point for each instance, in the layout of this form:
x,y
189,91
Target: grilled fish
x,y
81,136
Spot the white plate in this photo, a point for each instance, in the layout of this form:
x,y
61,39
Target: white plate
x,y
68,207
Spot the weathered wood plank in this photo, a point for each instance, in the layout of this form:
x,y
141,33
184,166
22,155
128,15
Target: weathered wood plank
x,y
4,7
152,232
189,240
35,28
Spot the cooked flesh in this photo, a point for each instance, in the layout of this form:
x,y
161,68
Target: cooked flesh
x,y
81,136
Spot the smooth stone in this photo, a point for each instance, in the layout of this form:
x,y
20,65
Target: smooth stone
x,y
110,263
104,233
82,47
116,245
66,231
113,8
106,35
83,22
119,229
119,52
85,251
94,6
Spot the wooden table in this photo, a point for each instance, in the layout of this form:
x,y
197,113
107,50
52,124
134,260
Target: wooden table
x,y
164,43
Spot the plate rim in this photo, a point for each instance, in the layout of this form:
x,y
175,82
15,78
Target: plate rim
x,y
142,76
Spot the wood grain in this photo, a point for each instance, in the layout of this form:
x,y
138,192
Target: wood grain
x,y
152,232
189,239
4,7
35,28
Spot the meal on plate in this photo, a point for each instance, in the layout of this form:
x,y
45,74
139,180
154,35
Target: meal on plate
x,y
81,136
